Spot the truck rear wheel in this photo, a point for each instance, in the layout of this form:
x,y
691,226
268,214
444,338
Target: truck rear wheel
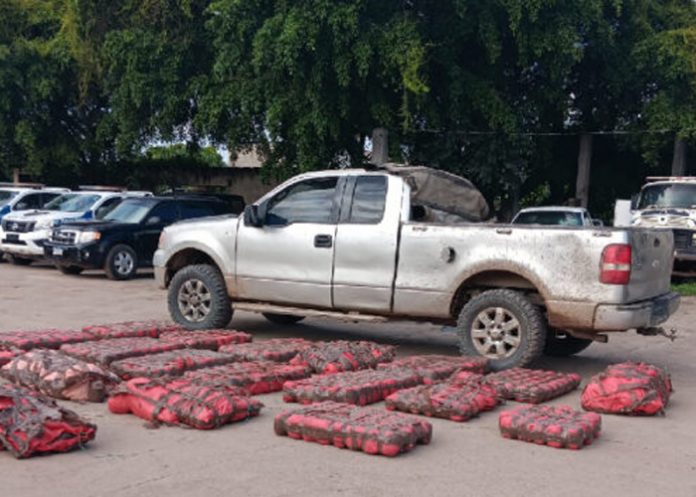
x,y
503,326
198,298
560,344
286,319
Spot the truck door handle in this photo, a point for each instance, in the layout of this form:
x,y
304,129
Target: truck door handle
x,y
323,241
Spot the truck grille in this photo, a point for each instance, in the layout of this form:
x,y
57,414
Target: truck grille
x,y
64,237
682,239
18,226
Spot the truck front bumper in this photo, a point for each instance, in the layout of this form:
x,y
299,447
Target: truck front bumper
x,y
160,270
644,314
87,256
28,245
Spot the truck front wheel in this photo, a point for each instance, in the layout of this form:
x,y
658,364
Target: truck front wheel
x,y
198,298
504,326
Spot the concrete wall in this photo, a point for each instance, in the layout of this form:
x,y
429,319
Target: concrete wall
x,y
236,180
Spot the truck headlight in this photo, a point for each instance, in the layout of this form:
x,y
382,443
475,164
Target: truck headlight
x,y
88,236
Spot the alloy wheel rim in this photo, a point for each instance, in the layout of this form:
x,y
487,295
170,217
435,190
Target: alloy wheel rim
x,y
123,262
194,300
496,333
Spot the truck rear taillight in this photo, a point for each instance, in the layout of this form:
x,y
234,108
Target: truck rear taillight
x,y
615,268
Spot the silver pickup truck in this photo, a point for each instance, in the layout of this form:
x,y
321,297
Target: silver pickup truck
x,y
408,244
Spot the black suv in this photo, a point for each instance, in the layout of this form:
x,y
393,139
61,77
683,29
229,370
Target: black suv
x,y
126,238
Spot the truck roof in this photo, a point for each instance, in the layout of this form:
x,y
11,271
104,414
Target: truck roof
x,y
552,208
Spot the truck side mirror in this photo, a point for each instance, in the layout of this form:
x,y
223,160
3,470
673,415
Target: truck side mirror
x,y
153,220
252,216
634,201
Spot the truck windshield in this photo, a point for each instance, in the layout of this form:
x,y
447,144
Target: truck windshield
x,y
554,218
129,211
6,196
72,202
678,195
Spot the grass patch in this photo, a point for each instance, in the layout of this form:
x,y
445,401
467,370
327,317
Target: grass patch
x,y
686,289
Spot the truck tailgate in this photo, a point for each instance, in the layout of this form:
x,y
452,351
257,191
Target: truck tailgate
x,y
653,251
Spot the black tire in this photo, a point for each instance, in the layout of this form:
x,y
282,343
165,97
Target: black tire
x,y
19,261
121,263
2,257
286,319
560,344
70,270
218,313
529,329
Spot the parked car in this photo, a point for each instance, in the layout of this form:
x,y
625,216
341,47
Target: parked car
x,y
345,244
125,238
556,216
24,233
16,197
236,202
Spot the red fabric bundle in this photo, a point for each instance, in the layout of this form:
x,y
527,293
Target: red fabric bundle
x,y
181,402
374,431
532,385
255,377
337,356
454,401
465,377
7,354
60,376
130,329
435,368
275,349
45,339
628,388
359,387
556,426
174,363
105,352
207,339
31,423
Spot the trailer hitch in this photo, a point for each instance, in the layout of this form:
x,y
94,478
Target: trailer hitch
x,y
658,330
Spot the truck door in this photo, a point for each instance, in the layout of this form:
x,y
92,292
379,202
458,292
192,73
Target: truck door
x,y
367,243
289,259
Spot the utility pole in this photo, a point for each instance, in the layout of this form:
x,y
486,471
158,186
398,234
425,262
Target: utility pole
x,y
380,146
15,175
679,158
582,184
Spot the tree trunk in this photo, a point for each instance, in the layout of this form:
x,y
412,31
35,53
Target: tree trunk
x,y
15,175
679,158
380,146
582,184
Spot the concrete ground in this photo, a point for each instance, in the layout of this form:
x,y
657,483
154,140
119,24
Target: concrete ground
x,y
633,457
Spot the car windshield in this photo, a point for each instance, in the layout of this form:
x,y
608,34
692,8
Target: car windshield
x,y
73,202
6,196
556,218
668,195
129,211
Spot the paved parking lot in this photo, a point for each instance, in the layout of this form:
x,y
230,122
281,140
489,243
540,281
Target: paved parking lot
x,y
633,457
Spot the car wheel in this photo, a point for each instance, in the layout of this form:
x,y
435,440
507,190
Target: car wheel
x,y
286,319
71,270
121,263
503,326
198,298
2,257
19,261
561,344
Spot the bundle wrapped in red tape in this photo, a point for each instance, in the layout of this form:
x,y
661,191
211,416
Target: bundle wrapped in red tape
x,y
373,431
130,329
205,339
60,376
275,349
31,423
184,403
174,363
435,368
44,339
7,354
628,388
532,385
256,377
555,426
105,352
454,401
465,377
358,387
340,355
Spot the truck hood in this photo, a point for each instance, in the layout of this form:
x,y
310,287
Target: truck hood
x,y
665,218
94,225
55,217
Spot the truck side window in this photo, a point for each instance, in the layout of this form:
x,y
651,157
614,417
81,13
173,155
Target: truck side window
x,y
166,212
310,201
107,207
31,201
369,197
